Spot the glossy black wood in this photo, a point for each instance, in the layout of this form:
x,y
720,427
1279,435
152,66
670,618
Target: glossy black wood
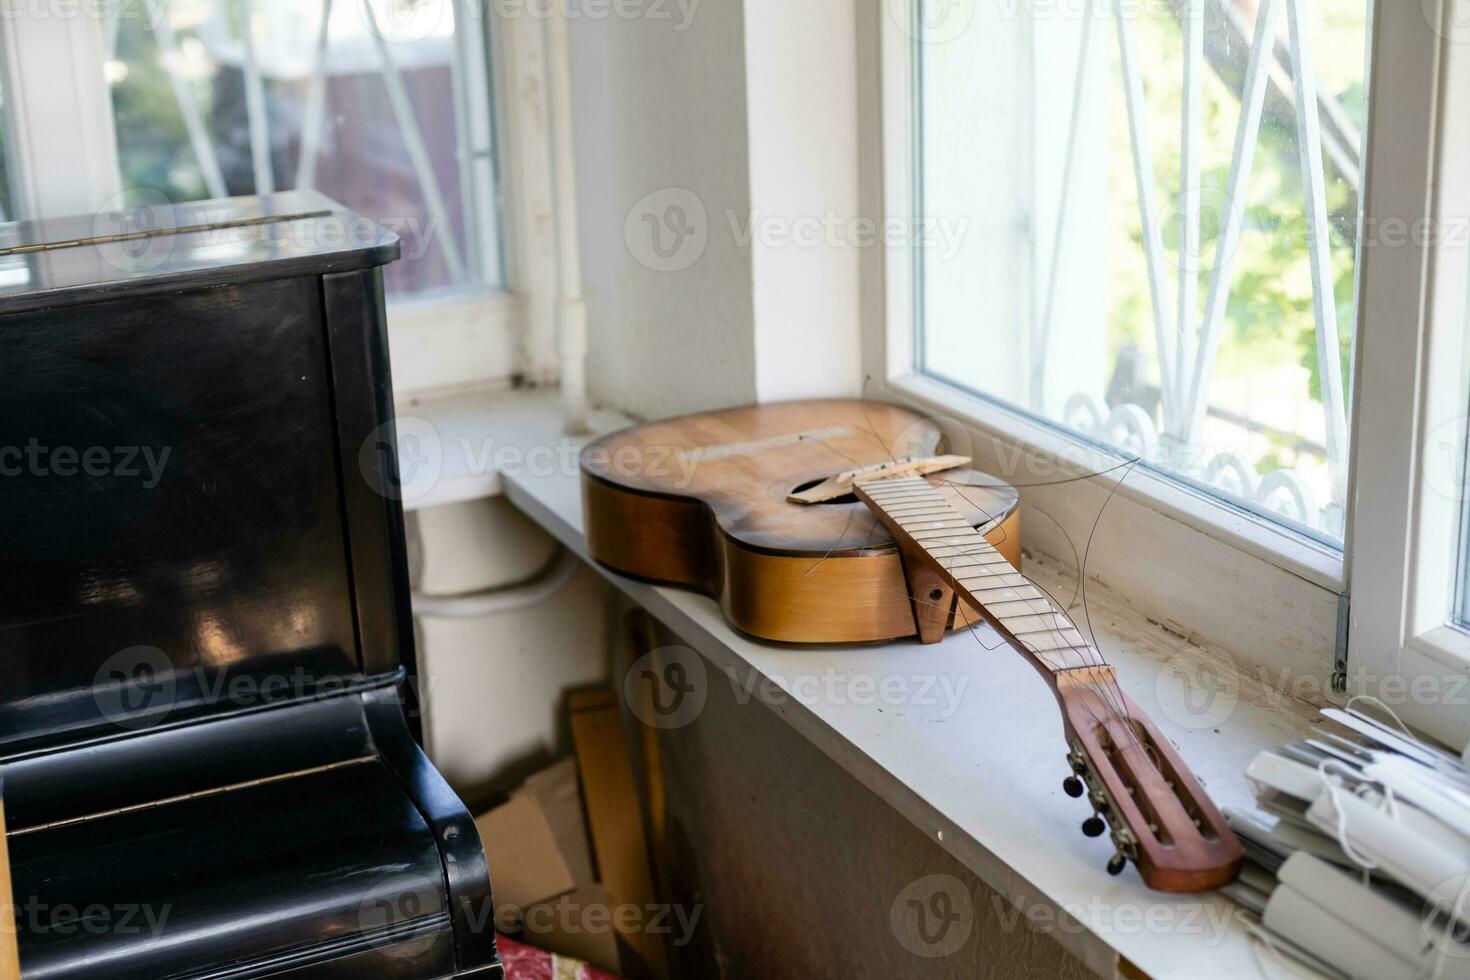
x,y
207,706
213,533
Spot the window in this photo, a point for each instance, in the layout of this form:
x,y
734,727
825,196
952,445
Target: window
x,y
407,111
1304,494
376,103
1150,217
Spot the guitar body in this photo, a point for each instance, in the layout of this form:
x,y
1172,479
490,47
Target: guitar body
x,y
701,502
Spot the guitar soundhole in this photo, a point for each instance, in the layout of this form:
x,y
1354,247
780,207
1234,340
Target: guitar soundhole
x,y
846,498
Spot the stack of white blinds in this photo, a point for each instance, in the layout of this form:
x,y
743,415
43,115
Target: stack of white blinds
x,y
1361,865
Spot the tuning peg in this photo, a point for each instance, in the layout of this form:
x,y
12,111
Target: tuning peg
x,y
1073,787
1093,826
1116,864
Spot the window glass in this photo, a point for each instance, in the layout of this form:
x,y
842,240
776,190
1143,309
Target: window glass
x,y
385,110
1150,217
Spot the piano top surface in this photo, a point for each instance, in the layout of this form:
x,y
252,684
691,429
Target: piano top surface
x,y
151,242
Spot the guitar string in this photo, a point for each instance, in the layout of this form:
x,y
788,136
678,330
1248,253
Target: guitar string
x,y
1113,697
1114,700
1087,550
1060,611
949,565
1091,650
1081,564
1082,584
872,431
1050,659
1046,658
1109,695
1076,558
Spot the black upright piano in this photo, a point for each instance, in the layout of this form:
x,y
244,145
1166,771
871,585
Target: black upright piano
x,y
208,712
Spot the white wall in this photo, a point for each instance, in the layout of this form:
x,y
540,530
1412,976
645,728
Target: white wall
x,y
745,117
493,686
806,232
660,111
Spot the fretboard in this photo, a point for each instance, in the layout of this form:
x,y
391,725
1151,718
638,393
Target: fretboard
x,y
915,512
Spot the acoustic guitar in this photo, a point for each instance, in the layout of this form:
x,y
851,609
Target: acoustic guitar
x,y
844,521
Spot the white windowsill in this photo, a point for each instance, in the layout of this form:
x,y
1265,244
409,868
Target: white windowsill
x,y
983,781
467,442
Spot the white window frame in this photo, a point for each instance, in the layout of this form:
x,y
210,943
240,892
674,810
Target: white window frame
x,y
1411,385
62,153
1276,600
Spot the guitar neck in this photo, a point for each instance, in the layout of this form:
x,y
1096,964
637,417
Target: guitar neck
x,y
926,526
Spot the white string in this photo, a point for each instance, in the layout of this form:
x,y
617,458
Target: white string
x,y
1389,806
1372,700
1456,913
1263,937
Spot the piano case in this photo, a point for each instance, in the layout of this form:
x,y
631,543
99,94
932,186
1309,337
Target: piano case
x,y
208,721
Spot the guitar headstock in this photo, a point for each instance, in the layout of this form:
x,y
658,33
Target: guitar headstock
x,y
1159,815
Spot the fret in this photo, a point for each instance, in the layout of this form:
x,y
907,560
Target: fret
x,y
980,572
929,505
1005,594
874,488
1002,610
931,524
928,514
900,488
1034,623
942,535
940,539
1053,641
983,578
953,551
1013,579
956,524
977,560
908,497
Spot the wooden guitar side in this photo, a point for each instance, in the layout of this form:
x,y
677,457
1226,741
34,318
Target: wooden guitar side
x,y
719,523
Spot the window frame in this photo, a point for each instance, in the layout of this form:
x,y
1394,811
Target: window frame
x,y
51,66
1411,383
1393,626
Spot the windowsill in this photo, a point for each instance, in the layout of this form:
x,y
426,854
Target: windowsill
x,y
981,777
467,442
